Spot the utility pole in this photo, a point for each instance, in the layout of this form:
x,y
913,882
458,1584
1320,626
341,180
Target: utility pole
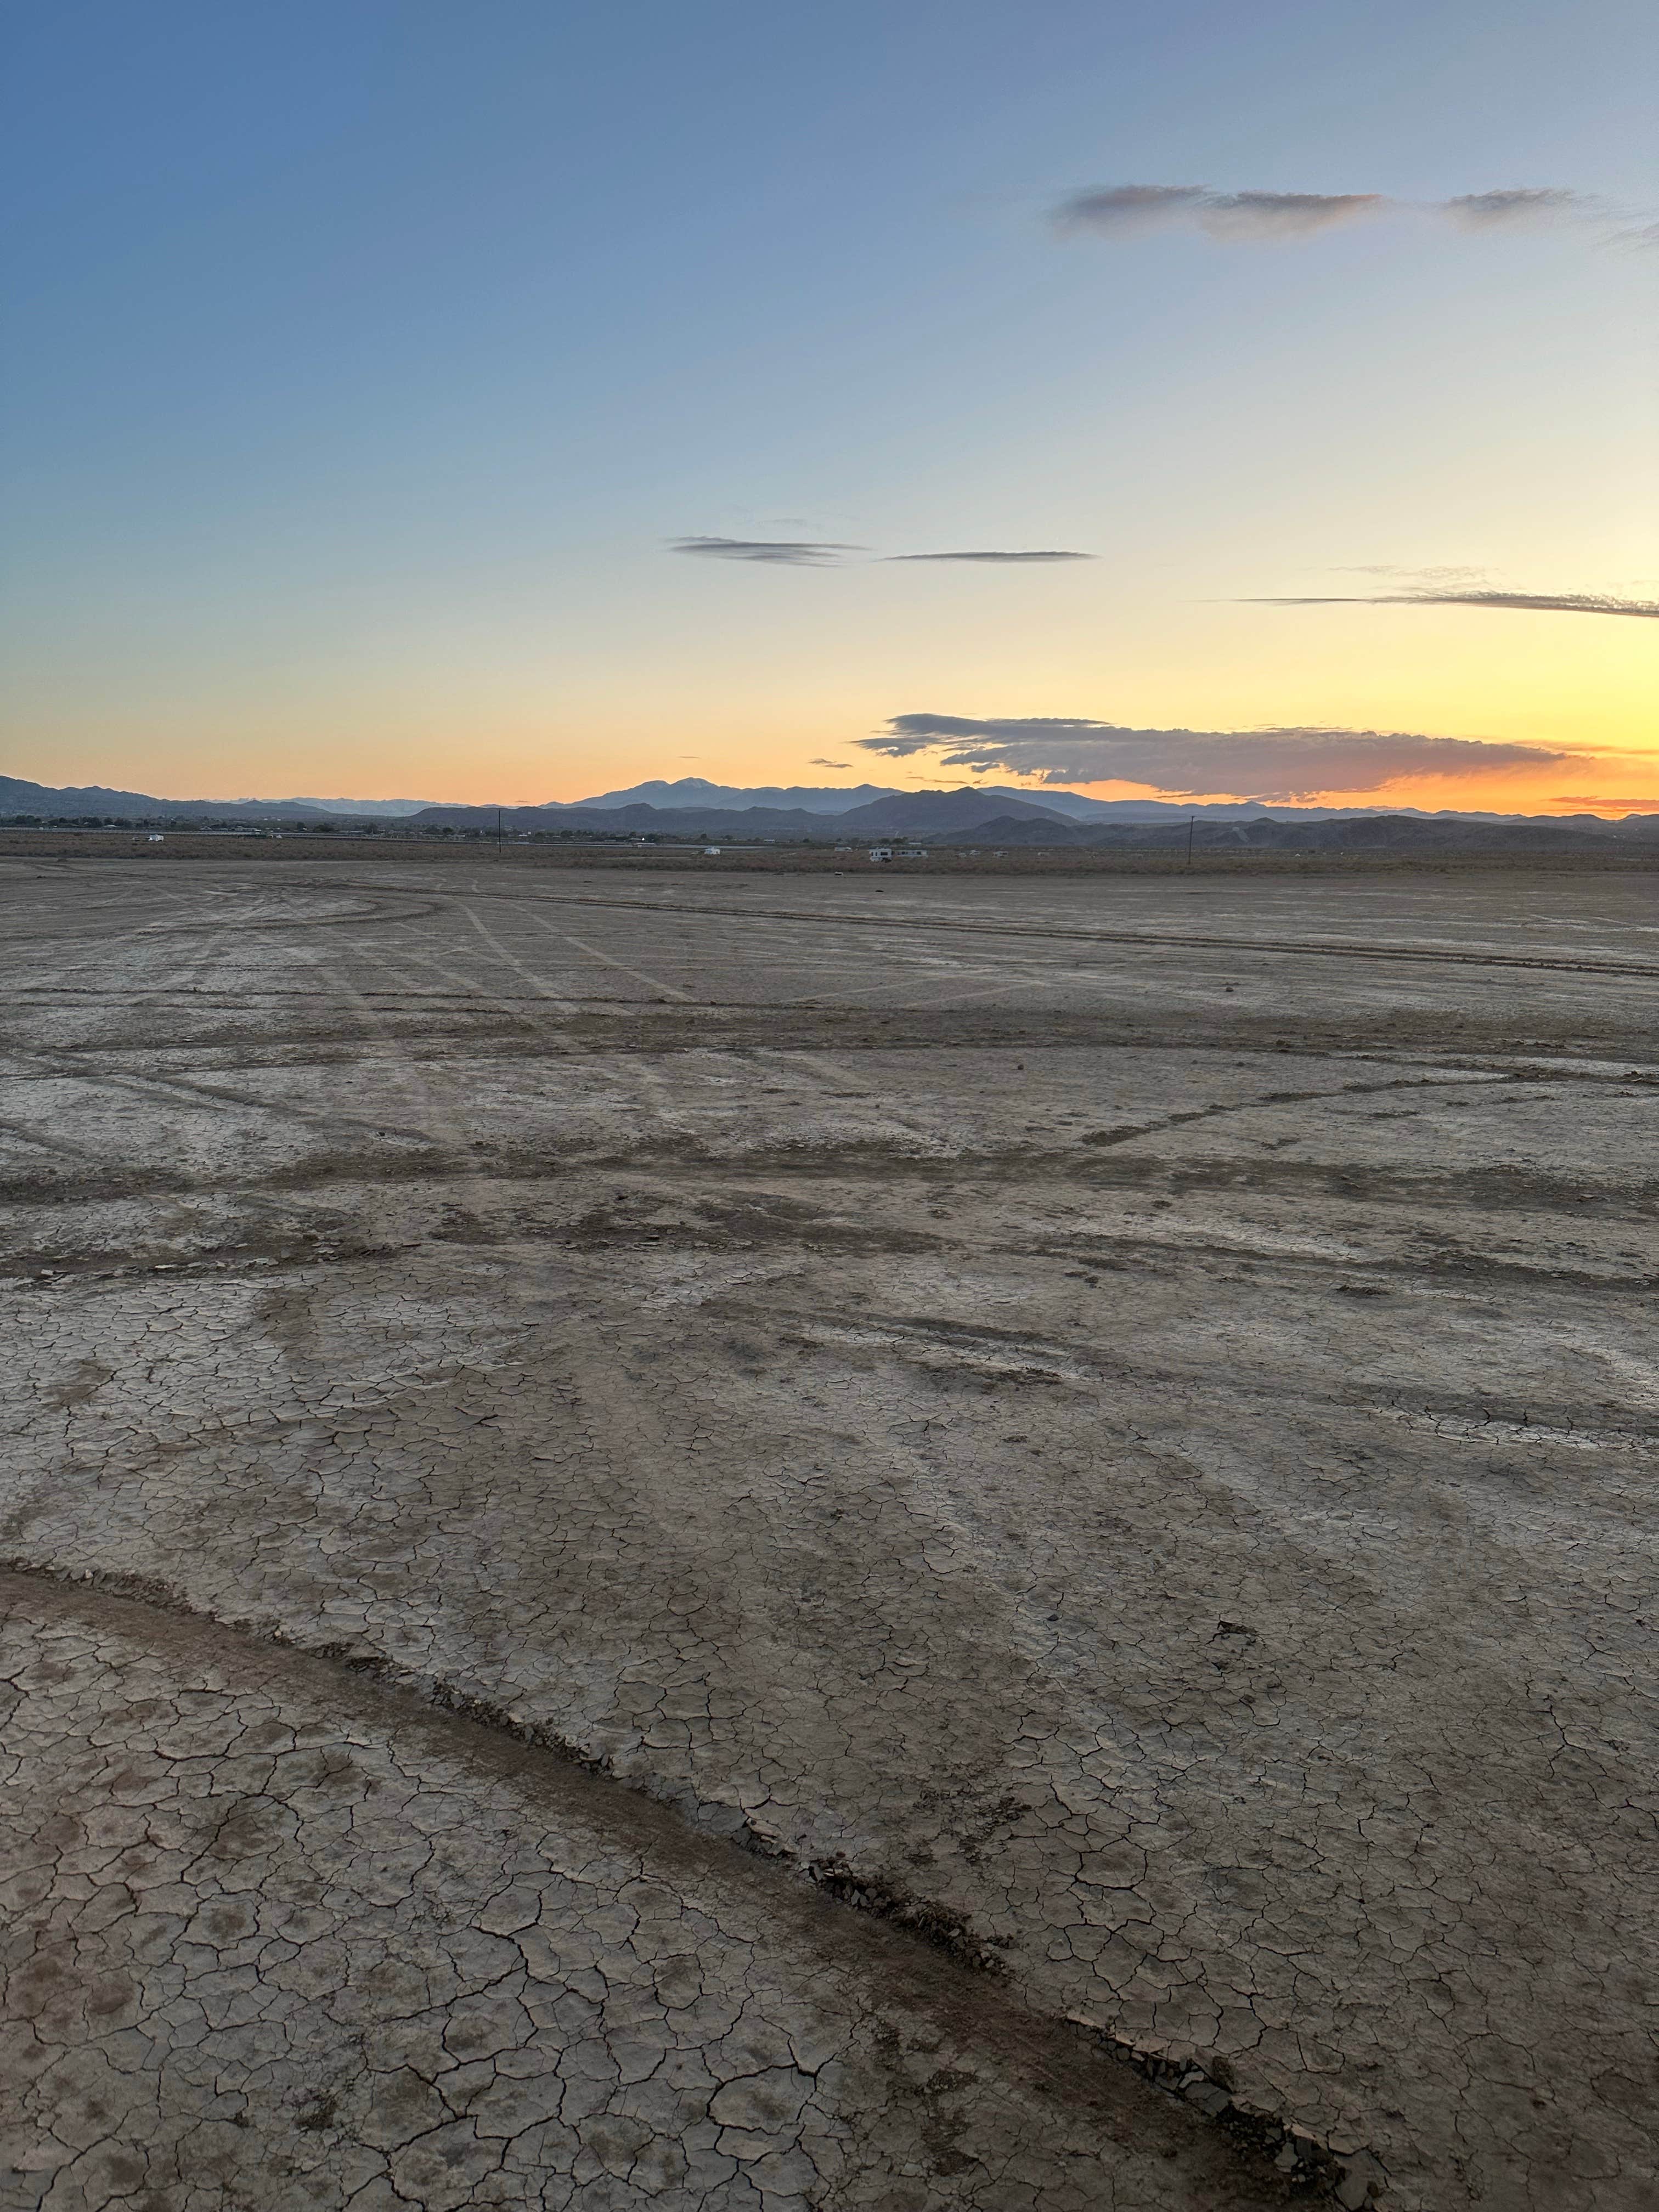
x,y
498,833
1192,824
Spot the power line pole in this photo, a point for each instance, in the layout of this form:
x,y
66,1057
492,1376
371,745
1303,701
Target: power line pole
x,y
498,833
1192,824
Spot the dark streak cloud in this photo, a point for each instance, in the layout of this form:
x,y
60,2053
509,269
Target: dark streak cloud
x,y
1631,806
990,556
1283,215
1115,210
1272,764
1520,203
1124,210
1557,603
779,552
803,553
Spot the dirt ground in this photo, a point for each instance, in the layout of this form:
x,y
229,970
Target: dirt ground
x,y
706,1542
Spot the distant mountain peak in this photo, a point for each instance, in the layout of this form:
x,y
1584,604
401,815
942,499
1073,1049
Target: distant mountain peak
x,y
697,791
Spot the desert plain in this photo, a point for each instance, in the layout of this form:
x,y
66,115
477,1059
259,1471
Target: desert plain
x,y
751,1543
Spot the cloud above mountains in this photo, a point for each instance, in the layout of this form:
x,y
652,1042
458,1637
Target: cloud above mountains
x,y
1271,764
1557,603
1117,211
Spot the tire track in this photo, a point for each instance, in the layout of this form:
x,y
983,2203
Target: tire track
x,y
1299,947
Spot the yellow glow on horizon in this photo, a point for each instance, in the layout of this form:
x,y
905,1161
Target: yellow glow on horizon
x,y
744,689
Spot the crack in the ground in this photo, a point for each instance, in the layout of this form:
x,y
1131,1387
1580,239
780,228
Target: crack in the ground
x,y
1352,2177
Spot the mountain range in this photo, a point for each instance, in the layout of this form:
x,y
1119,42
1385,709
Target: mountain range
x,y
693,810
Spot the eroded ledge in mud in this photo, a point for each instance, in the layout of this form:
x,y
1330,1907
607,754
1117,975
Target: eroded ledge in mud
x,y
1352,2176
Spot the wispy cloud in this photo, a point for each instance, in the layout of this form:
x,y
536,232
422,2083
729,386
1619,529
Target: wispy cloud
x,y
1444,577
1274,764
990,556
804,553
778,552
1556,603
1125,210
1283,215
1581,799
1521,204
819,762
1117,211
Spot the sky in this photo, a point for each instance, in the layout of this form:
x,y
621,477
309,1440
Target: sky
x,y
518,401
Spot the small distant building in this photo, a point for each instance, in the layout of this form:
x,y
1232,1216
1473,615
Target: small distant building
x,y
881,852
913,852
711,852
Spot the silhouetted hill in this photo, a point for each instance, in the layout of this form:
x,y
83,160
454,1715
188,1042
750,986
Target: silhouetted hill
x,y
903,814
1005,828
688,793
671,822
937,814
986,816
95,801
1404,834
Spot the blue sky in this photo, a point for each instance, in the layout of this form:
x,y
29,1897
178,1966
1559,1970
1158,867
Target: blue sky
x,y
367,360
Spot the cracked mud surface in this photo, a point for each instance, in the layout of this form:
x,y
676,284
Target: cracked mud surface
x,y
1132,1463
295,1944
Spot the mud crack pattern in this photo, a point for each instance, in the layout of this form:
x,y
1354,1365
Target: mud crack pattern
x,y
1116,1479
